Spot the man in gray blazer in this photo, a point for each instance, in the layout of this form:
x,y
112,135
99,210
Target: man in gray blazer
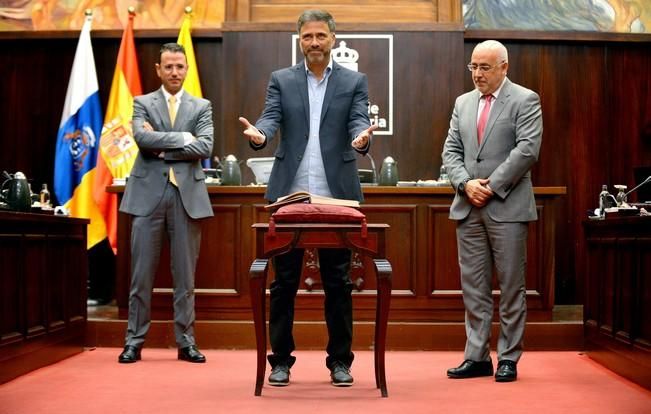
x,y
493,141
166,195
321,110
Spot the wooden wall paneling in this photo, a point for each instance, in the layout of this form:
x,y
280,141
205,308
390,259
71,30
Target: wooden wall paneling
x,y
448,11
12,295
248,60
625,305
443,281
424,93
221,244
617,323
238,10
627,98
540,260
43,290
558,105
36,284
402,255
36,71
208,52
642,324
580,135
56,300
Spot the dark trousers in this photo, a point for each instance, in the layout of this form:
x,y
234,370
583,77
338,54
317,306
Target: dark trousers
x,y
338,305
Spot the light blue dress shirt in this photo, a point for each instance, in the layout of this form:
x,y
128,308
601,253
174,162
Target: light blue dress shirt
x,y
311,175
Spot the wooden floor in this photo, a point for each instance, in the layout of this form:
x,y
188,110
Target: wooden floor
x,y
563,333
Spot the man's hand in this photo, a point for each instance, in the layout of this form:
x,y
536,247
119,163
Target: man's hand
x,y
478,191
147,127
251,132
361,141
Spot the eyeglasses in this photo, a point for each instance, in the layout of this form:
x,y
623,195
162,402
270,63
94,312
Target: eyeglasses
x,y
483,68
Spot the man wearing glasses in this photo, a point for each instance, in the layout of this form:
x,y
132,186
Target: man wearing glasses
x,y
493,141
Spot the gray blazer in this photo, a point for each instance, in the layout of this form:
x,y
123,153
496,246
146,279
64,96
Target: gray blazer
x,y
508,151
343,117
148,176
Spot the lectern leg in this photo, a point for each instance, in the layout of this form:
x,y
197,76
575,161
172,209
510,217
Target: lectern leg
x,y
383,273
257,283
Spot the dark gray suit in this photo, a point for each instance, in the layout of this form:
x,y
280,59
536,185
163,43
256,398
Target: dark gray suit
x,y
344,115
496,233
160,208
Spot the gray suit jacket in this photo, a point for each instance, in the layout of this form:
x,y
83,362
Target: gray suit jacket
x,y
343,117
149,174
508,150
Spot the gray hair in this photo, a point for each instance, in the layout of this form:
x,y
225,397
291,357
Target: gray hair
x,y
316,16
494,45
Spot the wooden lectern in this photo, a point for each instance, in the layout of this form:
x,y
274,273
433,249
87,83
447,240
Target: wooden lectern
x,y
365,239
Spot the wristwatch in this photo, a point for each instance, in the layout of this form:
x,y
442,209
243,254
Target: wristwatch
x,y
462,186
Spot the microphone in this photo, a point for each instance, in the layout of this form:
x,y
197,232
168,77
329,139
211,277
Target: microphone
x,y
639,185
368,154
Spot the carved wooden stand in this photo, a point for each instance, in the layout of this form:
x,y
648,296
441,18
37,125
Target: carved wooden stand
x,y
320,235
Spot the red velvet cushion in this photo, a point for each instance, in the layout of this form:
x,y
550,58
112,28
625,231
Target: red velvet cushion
x,y
317,213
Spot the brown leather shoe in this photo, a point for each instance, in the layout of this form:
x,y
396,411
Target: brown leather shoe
x,y
471,369
129,355
191,354
507,371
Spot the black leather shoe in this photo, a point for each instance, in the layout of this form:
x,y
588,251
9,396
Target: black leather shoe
x,y
340,375
507,371
191,354
129,355
279,376
472,369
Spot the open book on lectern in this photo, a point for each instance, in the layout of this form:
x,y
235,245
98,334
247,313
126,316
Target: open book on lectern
x,y
305,197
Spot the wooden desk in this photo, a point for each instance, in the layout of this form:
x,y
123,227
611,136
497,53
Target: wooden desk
x,y
420,244
312,236
43,281
617,310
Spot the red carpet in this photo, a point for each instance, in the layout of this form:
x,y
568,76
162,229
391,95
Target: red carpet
x,y
93,382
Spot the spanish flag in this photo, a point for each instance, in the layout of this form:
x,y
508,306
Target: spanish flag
x,y
118,149
76,147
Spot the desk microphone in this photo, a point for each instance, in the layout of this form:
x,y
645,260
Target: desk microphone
x,y
368,154
639,185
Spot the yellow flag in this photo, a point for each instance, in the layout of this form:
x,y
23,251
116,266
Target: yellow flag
x,y
191,84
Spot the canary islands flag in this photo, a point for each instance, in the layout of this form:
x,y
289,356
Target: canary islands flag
x,y
78,139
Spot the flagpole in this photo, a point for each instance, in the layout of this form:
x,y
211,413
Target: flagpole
x,y
118,149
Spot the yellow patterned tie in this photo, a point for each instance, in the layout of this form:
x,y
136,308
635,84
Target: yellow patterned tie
x,y
172,109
